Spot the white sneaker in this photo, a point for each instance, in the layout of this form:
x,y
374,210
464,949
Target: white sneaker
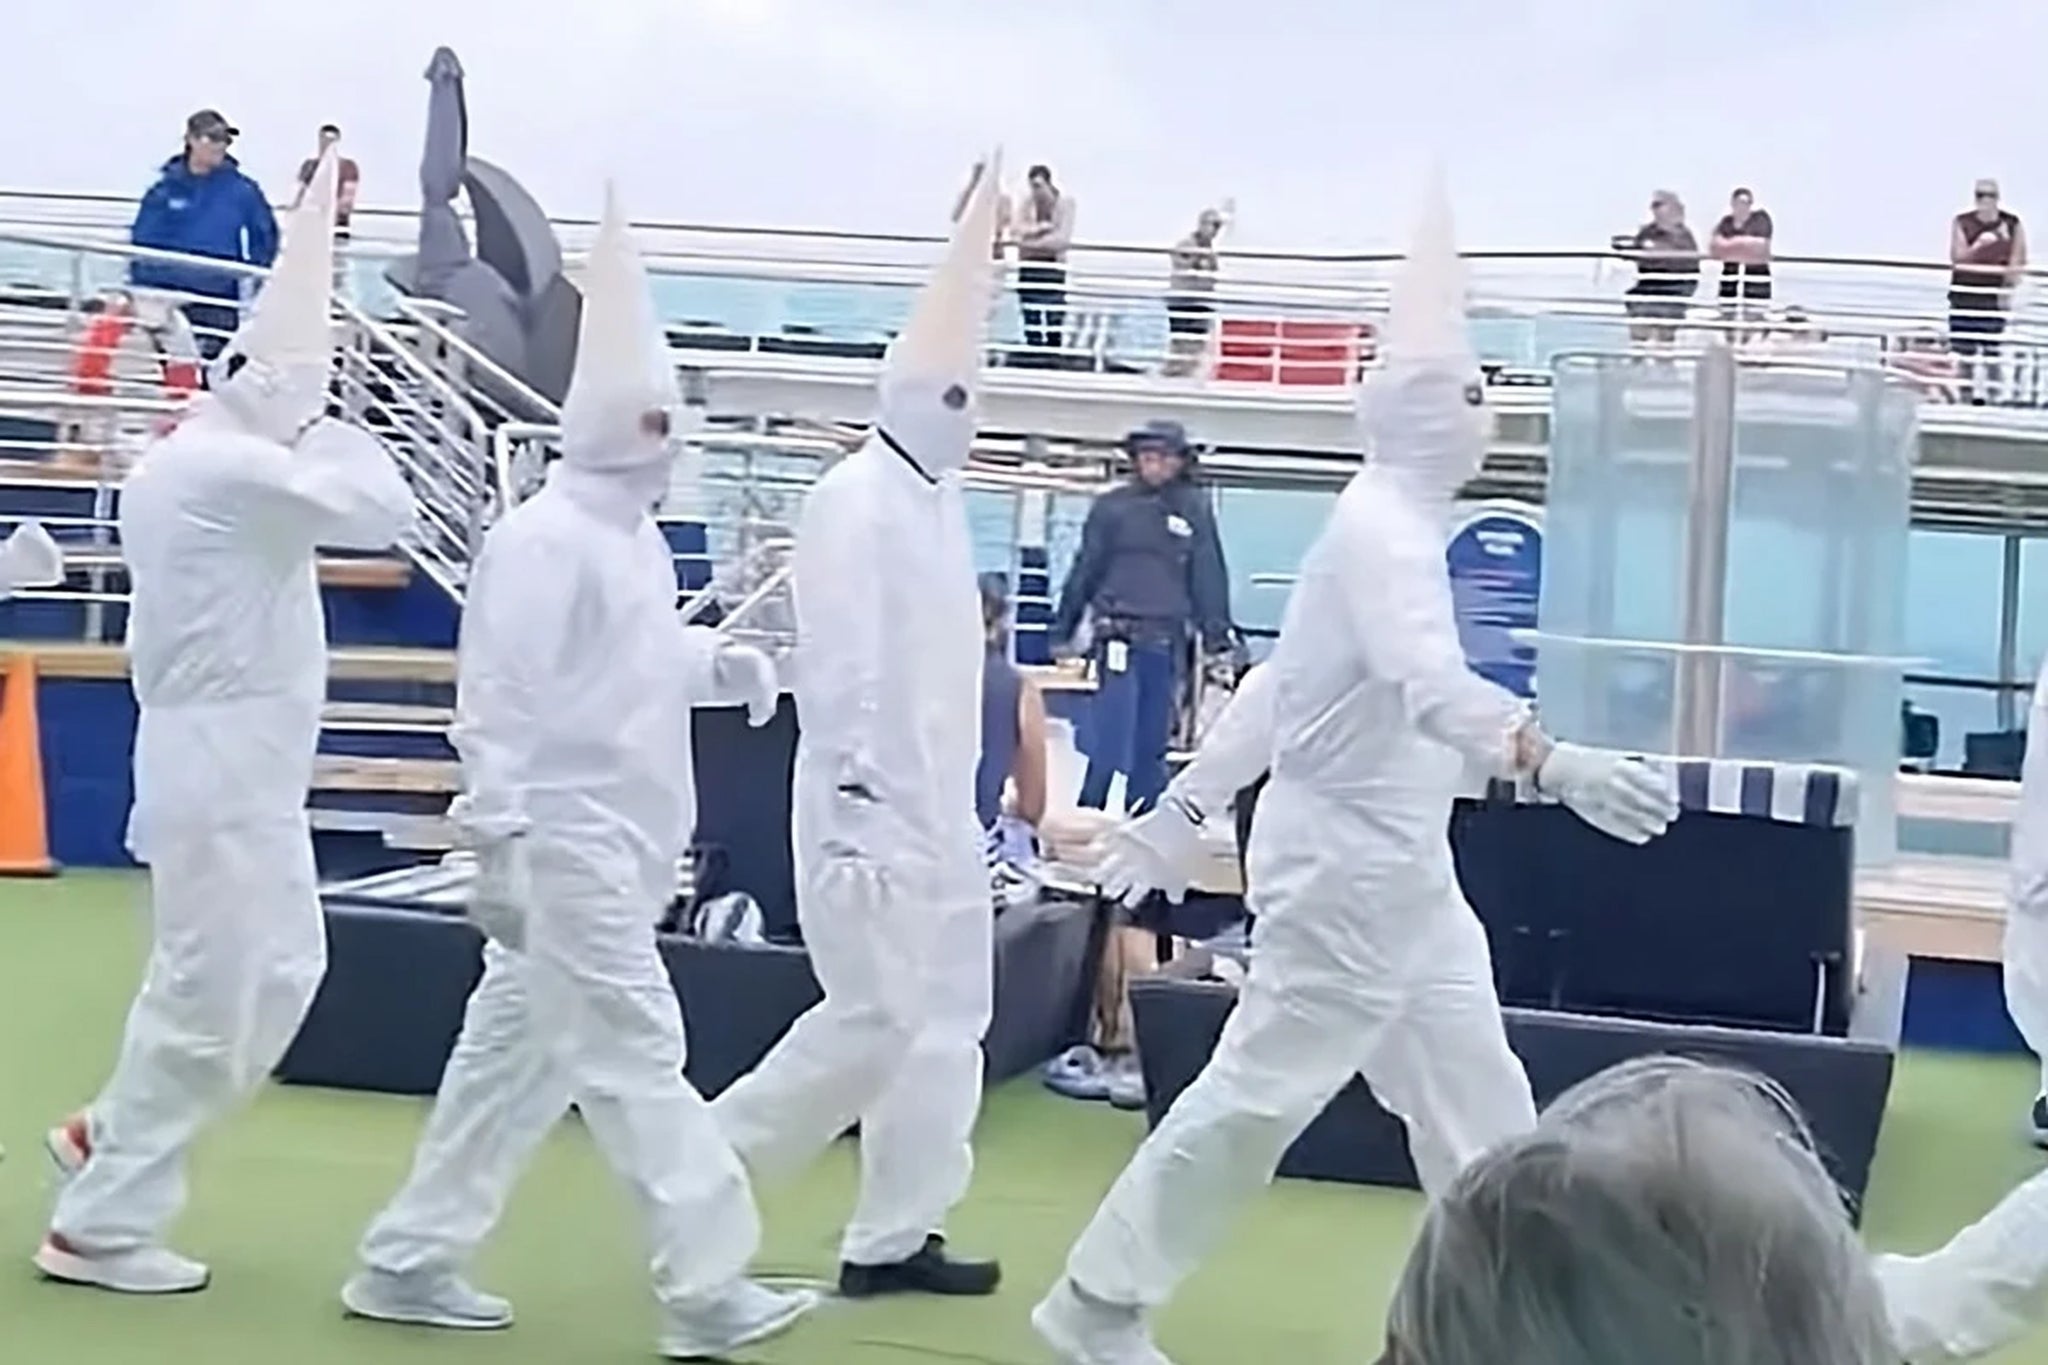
x,y
425,1300
1085,1331
140,1270
740,1316
69,1145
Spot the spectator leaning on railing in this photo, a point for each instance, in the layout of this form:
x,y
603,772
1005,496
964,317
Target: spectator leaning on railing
x,y
1988,247
1191,292
1667,259
1742,244
349,179
203,205
1043,227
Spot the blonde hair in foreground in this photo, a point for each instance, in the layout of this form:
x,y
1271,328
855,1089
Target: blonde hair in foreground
x,y
1665,1212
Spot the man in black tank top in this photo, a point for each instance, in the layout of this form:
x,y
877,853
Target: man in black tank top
x,y
1988,248
1742,244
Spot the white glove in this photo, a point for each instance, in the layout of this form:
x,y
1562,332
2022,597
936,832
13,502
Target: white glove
x,y
1620,796
30,559
748,676
1160,851
502,893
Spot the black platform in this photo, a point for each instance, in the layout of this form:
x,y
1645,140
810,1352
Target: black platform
x,y
398,978
1841,1083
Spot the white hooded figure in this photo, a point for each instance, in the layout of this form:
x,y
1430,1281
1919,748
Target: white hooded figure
x,y
1365,959
892,890
575,679
227,641
2026,918
29,558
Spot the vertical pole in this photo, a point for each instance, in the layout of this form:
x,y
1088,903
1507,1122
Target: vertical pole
x,y
2009,633
1611,496
1706,550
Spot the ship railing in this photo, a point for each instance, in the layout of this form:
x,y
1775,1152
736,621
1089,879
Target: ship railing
x,y
798,287
438,438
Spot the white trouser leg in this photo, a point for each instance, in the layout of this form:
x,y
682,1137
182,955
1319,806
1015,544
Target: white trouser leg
x,y
239,948
1987,1287
1296,1037
916,1142
1445,1067
841,1056
294,962
501,1094
603,1000
2026,980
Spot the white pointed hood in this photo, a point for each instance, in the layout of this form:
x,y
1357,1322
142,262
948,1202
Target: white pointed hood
x,y
932,372
1423,414
287,344
623,371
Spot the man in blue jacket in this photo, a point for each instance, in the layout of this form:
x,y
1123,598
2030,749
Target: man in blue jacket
x,y
1151,574
203,205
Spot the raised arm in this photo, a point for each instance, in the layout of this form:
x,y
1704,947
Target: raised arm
x,y
339,486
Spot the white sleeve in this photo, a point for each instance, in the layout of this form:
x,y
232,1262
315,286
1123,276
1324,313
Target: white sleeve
x,y
700,680
1237,749
340,486
839,608
518,603
1986,1288
1402,622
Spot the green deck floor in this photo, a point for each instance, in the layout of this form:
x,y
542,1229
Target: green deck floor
x,y
281,1192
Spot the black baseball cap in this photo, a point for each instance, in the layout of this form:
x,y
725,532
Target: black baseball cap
x,y
211,123
1166,436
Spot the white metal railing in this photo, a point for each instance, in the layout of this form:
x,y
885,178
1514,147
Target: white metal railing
x,y
803,286
435,433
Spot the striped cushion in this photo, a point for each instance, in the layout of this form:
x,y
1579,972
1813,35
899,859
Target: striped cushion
x,y
1790,793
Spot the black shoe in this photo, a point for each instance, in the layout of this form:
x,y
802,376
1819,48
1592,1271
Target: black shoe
x,y
930,1271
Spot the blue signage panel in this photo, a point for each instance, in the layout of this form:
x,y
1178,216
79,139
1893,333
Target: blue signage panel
x,y
1495,559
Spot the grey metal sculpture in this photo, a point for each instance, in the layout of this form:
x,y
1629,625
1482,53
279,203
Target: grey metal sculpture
x,y
518,308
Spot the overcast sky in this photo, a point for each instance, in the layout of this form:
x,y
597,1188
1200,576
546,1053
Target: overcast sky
x,y
1861,123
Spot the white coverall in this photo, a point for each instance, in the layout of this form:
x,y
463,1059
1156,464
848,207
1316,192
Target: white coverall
x,y
576,680
892,893
2026,920
1366,959
229,651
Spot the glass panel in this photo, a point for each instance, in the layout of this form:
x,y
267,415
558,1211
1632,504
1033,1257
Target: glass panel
x,y
1266,531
